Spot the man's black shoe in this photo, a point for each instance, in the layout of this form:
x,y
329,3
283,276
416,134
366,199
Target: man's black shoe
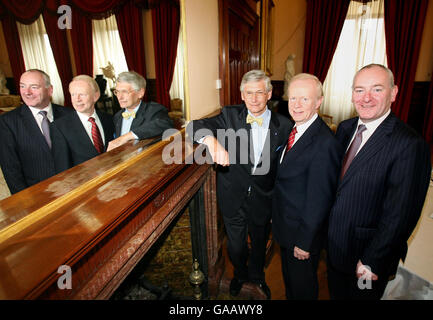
x,y
264,287
235,286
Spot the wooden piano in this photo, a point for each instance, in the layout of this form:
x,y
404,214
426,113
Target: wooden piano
x,y
99,219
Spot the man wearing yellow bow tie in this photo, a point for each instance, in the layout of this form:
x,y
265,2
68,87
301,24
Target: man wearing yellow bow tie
x,y
138,119
244,189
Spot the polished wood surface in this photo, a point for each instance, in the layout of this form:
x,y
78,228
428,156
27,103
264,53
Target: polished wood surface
x,y
99,218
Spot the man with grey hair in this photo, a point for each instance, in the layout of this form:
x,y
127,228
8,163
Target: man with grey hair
x,y
138,120
382,187
25,151
85,133
243,190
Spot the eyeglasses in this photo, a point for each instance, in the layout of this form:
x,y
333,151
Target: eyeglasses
x,y
122,92
259,94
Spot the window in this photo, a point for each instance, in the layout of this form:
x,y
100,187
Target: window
x,y
38,54
107,47
177,84
362,41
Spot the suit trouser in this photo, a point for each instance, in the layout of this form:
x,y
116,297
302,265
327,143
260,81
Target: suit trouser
x,y
248,266
300,276
343,286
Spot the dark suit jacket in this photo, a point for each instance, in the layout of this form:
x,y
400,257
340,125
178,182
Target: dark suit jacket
x,y
25,157
234,181
151,120
379,199
71,144
305,188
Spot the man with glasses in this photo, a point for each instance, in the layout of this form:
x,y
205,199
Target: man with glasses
x,y
245,178
138,119
25,151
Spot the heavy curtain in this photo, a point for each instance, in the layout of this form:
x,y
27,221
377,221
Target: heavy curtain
x,y
59,46
15,52
404,22
166,23
130,26
428,119
324,22
81,36
38,55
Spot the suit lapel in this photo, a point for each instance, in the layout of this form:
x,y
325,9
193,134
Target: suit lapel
x,y
103,119
304,141
375,143
242,124
118,122
139,117
81,134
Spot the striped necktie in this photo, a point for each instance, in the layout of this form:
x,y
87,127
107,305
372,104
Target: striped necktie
x,y
353,149
291,139
45,127
96,136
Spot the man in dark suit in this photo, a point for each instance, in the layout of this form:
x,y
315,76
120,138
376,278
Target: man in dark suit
x,y
383,183
245,179
305,186
25,152
138,120
85,133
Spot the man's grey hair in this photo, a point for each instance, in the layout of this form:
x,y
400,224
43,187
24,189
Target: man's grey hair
x,y
44,75
136,80
308,76
374,65
254,76
84,77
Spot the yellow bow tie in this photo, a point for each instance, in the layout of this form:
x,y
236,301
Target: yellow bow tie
x,y
127,114
251,119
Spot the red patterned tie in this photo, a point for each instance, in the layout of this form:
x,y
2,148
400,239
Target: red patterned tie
x,y
291,139
96,136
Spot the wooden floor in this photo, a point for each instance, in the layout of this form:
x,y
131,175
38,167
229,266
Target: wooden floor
x,y
274,276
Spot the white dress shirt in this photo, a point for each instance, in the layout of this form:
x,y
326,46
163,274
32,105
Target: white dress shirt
x,y
38,117
371,127
88,125
126,123
258,134
301,128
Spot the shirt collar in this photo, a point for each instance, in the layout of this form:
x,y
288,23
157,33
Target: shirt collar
x,y
372,125
48,109
304,126
84,117
265,115
135,109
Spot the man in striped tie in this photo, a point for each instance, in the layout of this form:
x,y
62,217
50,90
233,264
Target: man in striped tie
x,y
304,189
381,192
85,133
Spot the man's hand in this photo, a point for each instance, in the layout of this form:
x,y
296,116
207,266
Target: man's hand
x,y
119,141
364,272
301,254
217,152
